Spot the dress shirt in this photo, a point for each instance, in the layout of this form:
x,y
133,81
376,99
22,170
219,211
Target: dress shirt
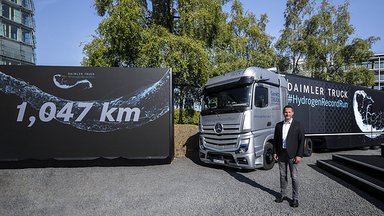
x,y
286,126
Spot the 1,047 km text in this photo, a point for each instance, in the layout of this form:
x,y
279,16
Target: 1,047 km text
x,y
48,112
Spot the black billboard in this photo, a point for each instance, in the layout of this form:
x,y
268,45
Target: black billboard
x,y
52,112
346,115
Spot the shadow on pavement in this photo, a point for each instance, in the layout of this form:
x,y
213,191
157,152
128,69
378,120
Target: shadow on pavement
x,y
192,149
378,203
192,153
98,162
244,179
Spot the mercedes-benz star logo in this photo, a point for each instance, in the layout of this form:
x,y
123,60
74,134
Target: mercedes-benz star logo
x,y
218,128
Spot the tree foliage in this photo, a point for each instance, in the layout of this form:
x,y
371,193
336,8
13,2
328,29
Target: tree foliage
x,y
361,76
322,38
330,38
292,44
198,40
195,38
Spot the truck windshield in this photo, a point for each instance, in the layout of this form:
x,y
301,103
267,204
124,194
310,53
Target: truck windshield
x,y
226,100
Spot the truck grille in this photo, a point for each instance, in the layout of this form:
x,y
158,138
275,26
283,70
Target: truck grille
x,y
225,141
227,129
220,142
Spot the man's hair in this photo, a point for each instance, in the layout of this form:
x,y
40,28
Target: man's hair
x,y
288,106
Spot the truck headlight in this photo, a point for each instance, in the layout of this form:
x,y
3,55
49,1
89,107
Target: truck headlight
x,y
244,143
201,143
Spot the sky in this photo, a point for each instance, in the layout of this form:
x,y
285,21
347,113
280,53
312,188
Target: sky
x,y
63,26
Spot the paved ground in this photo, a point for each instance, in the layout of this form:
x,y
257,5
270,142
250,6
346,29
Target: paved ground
x,y
181,188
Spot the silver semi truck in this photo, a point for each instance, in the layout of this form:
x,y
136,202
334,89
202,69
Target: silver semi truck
x,y
240,110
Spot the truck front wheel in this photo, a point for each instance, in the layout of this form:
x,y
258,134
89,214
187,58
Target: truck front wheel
x,y
268,160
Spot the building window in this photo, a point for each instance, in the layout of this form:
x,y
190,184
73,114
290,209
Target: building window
x,y
2,29
17,16
6,30
17,39
369,65
14,32
12,14
27,20
27,37
5,11
376,64
27,4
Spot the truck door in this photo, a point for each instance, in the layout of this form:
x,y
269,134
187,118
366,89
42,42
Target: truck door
x,y
261,109
277,102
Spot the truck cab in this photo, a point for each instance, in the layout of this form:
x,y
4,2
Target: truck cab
x,y
239,112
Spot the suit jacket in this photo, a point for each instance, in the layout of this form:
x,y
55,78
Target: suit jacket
x,y
295,139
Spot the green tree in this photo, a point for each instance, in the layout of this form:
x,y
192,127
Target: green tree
x,y
322,39
118,34
360,76
96,53
329,55
330,38
359,50
251,43
193,37
131,35
187,58
242,42
163,13
292,44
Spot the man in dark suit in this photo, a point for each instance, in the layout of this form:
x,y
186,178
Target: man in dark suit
x,y
288,151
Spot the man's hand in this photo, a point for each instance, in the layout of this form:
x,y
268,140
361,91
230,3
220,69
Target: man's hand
x,y
297,160
275,157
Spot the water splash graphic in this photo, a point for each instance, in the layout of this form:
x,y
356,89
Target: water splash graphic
x,y
65,82
152,101
367,120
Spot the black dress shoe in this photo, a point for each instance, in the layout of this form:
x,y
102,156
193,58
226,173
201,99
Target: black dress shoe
x,y
280,199
294,203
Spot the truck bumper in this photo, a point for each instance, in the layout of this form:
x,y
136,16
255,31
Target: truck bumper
x,y
242,161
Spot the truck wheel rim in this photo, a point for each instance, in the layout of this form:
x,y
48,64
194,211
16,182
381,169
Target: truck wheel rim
x,y
268,156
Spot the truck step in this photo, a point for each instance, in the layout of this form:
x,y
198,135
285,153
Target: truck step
x,y
372,165
369,183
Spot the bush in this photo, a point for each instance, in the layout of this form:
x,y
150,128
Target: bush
x,y
190,116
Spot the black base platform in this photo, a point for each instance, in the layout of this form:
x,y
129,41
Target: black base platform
x,y
366,172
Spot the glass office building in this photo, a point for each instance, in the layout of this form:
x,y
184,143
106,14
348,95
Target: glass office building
x,y
17,40
376,64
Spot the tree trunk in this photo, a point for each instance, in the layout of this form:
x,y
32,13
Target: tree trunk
x,y
163,13
181,105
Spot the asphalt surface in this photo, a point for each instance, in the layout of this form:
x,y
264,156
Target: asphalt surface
x,y
181,188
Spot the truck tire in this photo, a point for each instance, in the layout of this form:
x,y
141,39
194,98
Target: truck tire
x,y
308,147
268,160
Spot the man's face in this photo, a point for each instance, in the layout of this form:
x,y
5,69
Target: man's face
x,y
288,113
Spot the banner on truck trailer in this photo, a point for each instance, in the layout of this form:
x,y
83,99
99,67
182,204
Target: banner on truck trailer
x,y
85,112
334,108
